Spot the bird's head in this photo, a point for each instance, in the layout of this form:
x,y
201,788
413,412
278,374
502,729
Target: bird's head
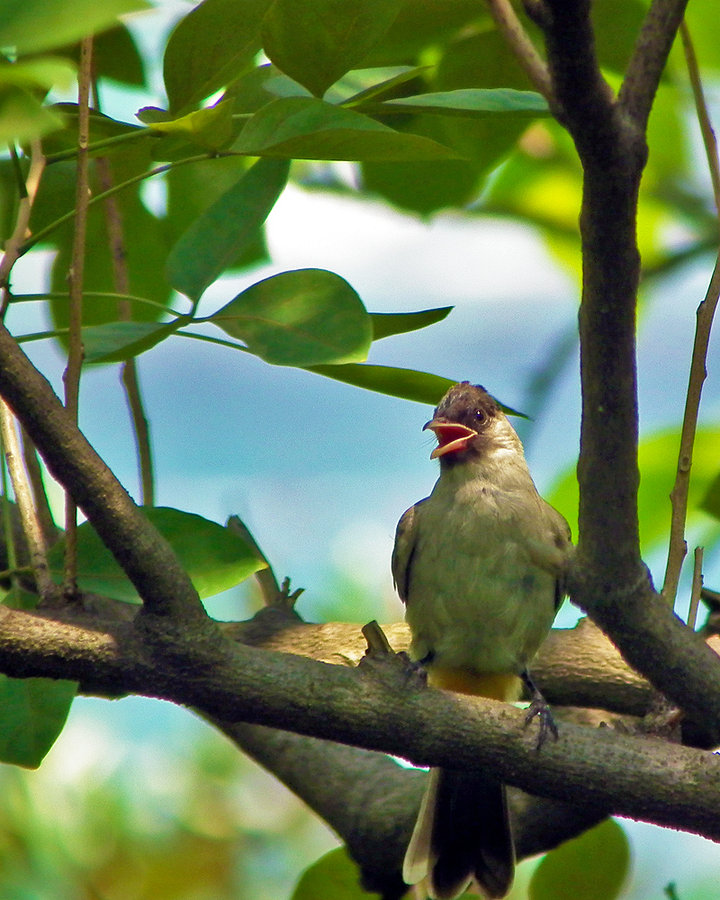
x,y
469,424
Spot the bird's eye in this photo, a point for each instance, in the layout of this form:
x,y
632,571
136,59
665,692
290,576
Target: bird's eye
x,y
479,416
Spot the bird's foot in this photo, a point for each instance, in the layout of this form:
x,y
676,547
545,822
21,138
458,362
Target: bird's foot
x,y
382,660
539,709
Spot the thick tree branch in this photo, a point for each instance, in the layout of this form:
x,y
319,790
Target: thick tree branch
x,y
378,707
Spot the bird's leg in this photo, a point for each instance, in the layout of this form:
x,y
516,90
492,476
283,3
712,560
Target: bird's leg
x,y
539,707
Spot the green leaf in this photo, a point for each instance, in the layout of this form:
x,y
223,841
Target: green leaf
x,y
23,118
34,25
299,318
474,103
214,557
711,501
226,228
43,72
592,866
210,128
387,324
362,85
33,713
657,459
115,342
332,877
408,384
307,128
317,41
209,48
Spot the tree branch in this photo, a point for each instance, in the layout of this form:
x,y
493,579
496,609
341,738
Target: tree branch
x,y
377,707
646,65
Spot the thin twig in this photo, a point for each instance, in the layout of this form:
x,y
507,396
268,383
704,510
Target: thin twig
x,y
13,245
24,499
679,494
71,376
705,313
42,506
130,378
701,110
696,591
519,42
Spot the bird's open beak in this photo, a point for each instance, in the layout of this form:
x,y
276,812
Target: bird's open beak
x,y
451,436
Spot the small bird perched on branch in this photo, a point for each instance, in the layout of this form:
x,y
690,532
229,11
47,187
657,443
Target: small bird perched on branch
x,y
479,564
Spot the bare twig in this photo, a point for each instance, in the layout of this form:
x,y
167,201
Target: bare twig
x,y
265,577
26,507
42,507
517,39
13,245
130,378
701,110
696,591
679,493
71,376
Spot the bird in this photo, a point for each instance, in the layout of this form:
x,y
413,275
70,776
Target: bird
x,y
480,566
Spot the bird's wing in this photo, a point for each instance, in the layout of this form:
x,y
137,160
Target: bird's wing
x,y
405,537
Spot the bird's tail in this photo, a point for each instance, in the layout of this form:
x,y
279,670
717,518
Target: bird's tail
x,y
462,832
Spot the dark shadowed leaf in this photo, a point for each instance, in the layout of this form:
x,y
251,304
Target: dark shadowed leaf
x,y
317,41
307,128
299,318
224,230
117,341
33,712
210,47
215,559
406,383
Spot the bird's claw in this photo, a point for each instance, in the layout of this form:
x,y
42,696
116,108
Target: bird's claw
x,y
539,709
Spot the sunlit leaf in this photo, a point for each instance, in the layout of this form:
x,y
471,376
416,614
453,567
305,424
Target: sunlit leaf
x,y
317,41
593,866
33,713
299,318
35,25
44,71
210,128
225,229
214,557
307,128
23,118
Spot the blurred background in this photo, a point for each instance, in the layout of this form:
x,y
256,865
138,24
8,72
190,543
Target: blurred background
x,y
321,472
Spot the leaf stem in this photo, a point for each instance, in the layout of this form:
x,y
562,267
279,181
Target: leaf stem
x,y
98,198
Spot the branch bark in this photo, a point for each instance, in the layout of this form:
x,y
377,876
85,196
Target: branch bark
x,y
609,579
